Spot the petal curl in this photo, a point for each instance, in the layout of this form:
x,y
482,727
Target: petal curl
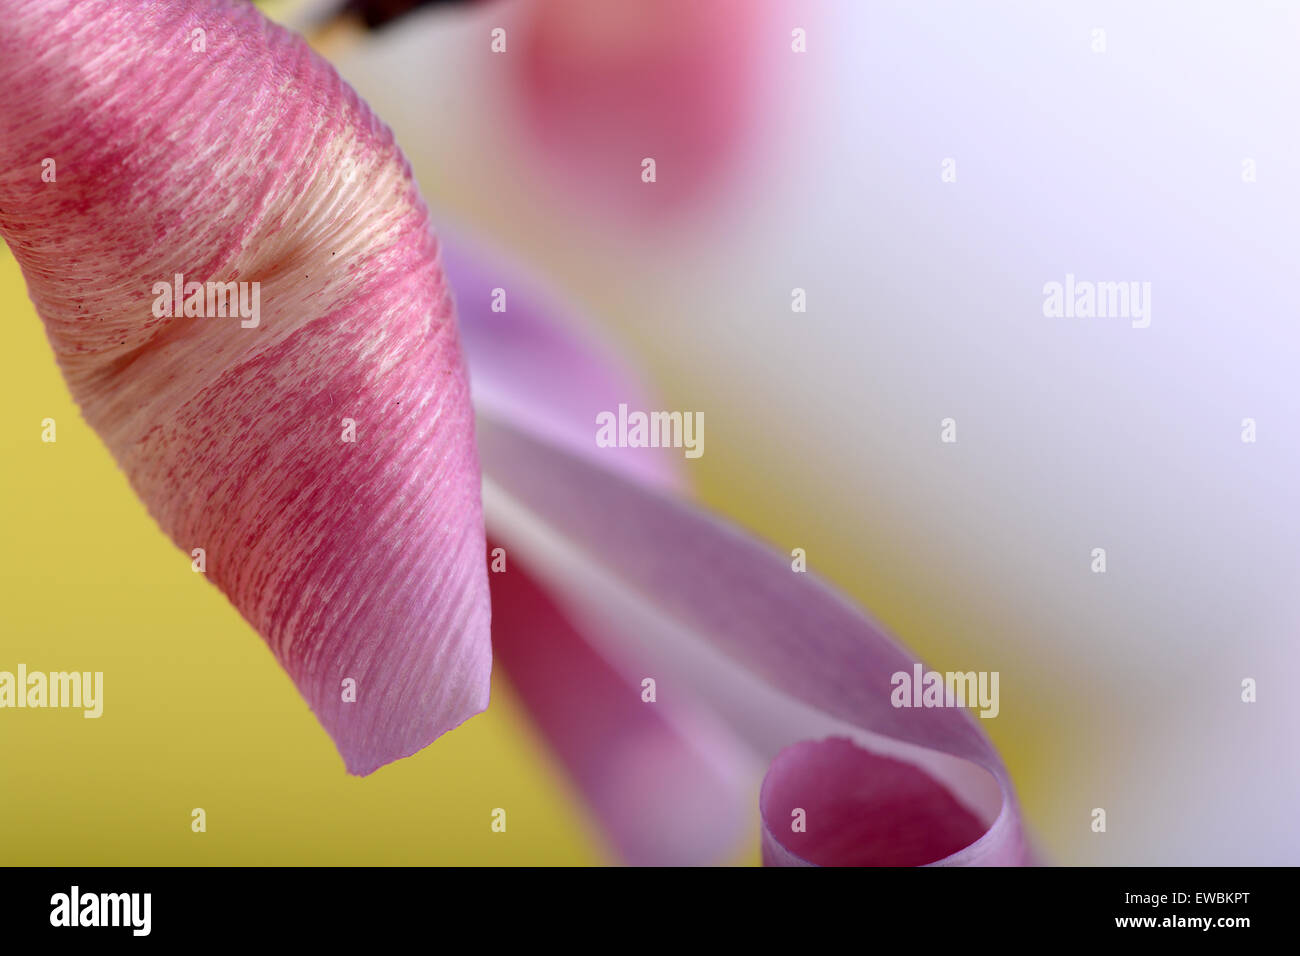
x,y
780,655
196,138
856,808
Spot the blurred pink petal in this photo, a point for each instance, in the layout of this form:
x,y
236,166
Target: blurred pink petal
x,y
667,787
602,86
537,376
539,365
250,161
861,809
777,653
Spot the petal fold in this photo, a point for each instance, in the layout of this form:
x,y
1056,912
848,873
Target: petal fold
x,y
781,656
832,803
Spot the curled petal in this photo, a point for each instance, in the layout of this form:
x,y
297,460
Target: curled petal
x,y
833,803
317,445
780,655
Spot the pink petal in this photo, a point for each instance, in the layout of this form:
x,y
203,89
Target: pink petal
x,y
539,365
859,809
778,654
667,786
602,86
251,161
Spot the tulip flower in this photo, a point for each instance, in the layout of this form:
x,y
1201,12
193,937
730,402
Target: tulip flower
x,y
245,295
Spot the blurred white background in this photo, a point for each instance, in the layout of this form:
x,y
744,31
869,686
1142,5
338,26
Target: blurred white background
x,y
821,170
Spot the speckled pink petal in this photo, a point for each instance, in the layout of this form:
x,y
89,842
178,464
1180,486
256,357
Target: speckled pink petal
x,y
779,655
195,137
